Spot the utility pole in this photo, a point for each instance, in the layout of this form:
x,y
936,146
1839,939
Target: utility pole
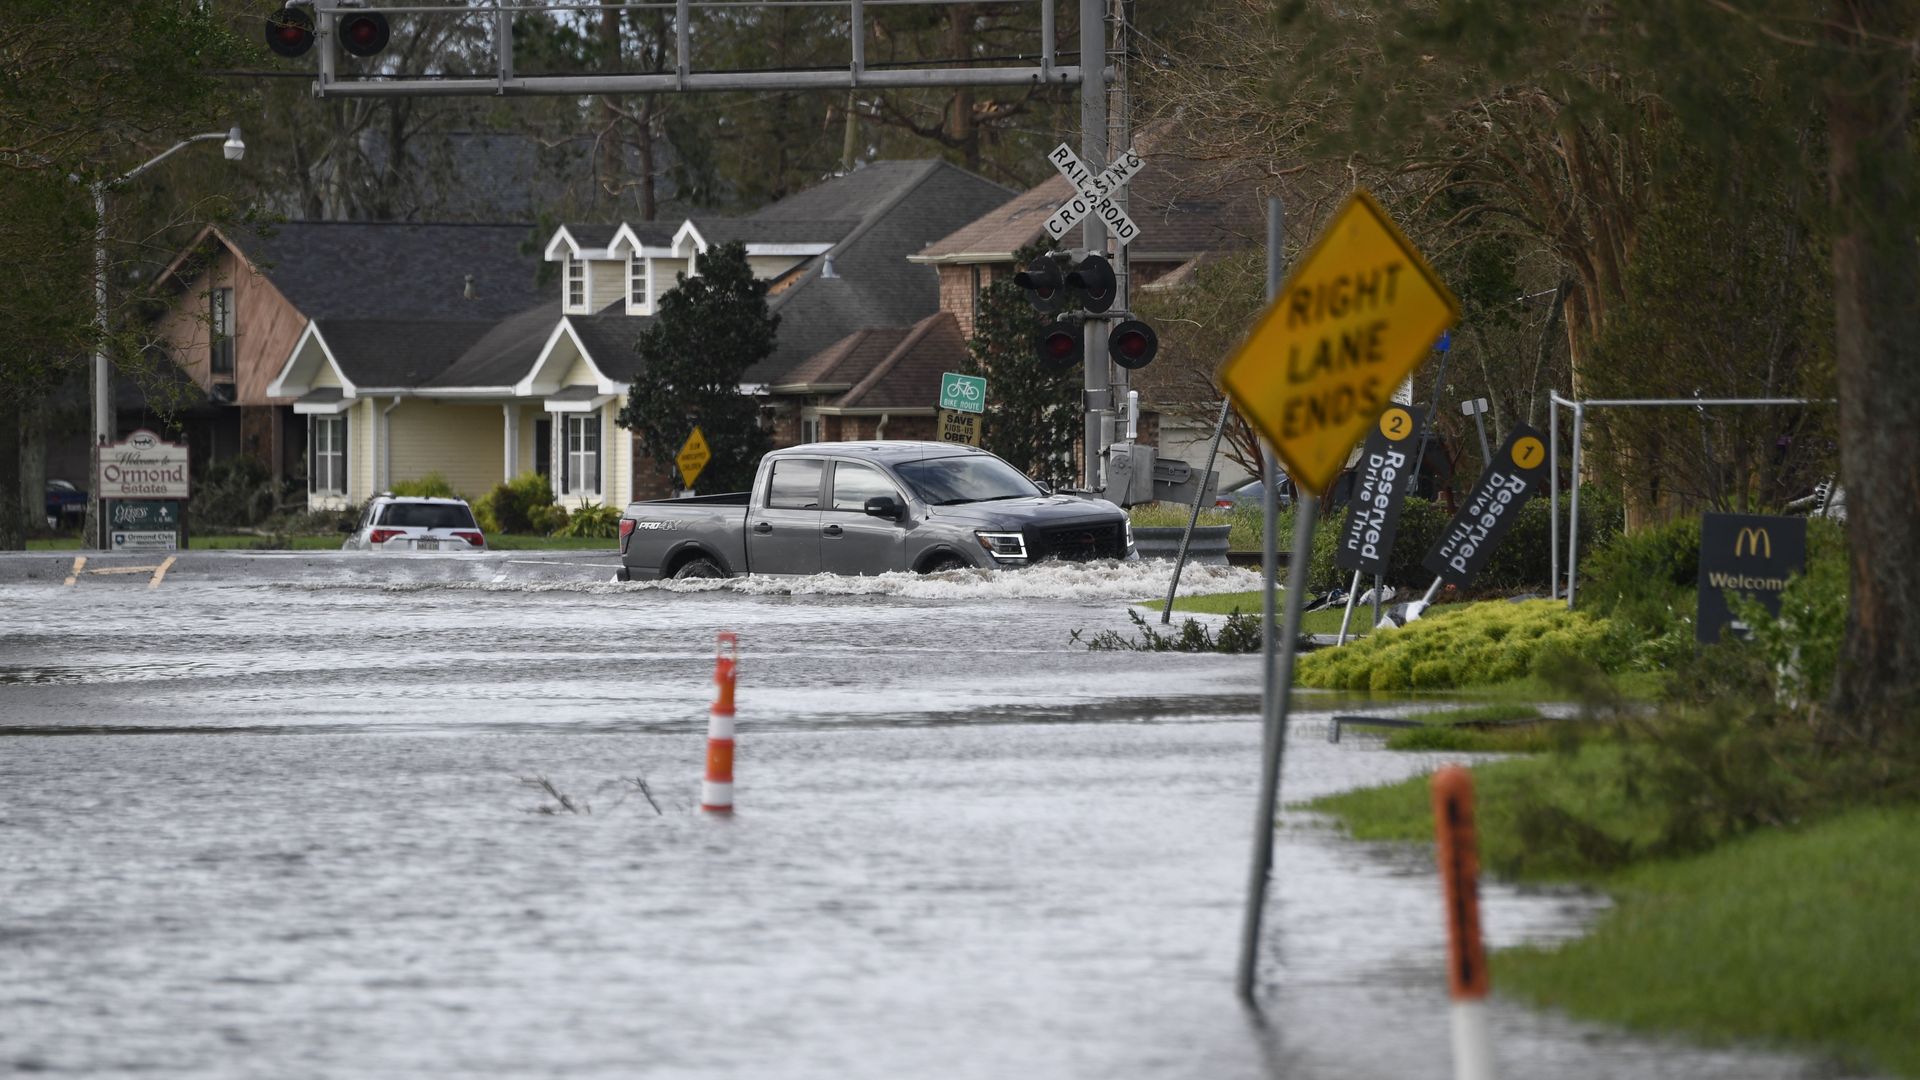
x,y
1093,150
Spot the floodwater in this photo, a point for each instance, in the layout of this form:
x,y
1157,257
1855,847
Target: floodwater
x,y
276,819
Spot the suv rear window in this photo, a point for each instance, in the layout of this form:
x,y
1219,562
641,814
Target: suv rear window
x,y
427,516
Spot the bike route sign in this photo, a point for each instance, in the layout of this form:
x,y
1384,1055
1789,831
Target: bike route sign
x,y
963,393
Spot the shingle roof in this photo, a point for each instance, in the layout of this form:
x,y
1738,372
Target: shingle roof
x,y
394,270
883,367
756,231
609,339
593,237
505,353
397,352
902,206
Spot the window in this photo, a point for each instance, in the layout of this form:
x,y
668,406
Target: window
x,y
854,484
636,284
583,454
795,484
575,273
220,332
327,465
809,429
423,515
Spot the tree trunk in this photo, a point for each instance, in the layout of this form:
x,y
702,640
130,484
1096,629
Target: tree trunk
x,y
13,536
1876,275
33,461
611,142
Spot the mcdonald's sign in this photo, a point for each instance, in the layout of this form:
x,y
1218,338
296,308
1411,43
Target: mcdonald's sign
x,y
1753,542
1748,554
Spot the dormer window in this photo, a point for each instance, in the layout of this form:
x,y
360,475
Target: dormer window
x,y
636,285
574,273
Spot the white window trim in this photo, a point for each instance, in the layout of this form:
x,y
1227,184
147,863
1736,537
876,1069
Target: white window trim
x,y
583,466
336,425
570,266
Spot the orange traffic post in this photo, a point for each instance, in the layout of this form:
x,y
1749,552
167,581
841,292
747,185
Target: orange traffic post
x,y
1467,977
716,791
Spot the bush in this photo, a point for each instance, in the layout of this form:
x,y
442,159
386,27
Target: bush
x,y
1470,645
548,520
235,491
431,486
509,507
592,520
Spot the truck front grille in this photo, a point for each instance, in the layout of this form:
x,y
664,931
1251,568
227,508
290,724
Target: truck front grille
x,y
1094,540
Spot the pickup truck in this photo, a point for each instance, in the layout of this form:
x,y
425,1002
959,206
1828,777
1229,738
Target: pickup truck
x,y
868,508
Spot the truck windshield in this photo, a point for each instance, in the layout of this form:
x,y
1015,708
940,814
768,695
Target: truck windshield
x,y
946,481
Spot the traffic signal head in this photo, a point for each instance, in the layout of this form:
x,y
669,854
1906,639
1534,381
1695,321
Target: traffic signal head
x,y
362,33
1043,281
1062,345
1132,344
290,31
1092,277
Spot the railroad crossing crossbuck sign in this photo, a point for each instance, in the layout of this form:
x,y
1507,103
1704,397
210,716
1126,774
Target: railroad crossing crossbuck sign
x,y
1095,195
1360,312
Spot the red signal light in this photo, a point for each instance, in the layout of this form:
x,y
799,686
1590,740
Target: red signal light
x,y
363,33
290,32
1133,344
1060,348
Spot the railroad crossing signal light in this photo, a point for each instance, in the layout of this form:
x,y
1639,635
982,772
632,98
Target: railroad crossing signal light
x,y
363,33
1133,344
1044,282
1092,277
290,31
1061,346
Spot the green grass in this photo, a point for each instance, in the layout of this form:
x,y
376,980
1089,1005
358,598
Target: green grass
x,y
331,542
1803,935
1453,729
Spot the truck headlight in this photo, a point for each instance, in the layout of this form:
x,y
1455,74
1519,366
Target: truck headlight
x,y
1003,545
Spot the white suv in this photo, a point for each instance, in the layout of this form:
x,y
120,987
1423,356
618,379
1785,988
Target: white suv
x,y
404,523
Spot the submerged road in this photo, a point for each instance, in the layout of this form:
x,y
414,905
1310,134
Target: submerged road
x,y
281,816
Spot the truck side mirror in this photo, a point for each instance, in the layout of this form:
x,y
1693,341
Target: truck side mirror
x,y
884,506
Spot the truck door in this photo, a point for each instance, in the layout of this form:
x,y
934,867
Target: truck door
x,y
783,526
851,542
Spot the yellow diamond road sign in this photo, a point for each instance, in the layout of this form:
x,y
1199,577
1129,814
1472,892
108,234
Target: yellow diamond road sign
x,y
1360,311
693,457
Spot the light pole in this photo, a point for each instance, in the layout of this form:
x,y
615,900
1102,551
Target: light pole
x,y
103,427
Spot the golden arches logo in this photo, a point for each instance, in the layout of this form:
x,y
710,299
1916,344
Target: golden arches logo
x,y
1753,541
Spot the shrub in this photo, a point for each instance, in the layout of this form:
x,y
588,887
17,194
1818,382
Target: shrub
x,y
509,507
236,491
1646,578
592,520
431,486
1469,645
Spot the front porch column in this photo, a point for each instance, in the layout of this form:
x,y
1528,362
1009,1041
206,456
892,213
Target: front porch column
x,y
511,412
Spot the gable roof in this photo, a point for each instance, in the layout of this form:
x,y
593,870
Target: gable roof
x,y
367,270
504,353
884,368
901,206
390,353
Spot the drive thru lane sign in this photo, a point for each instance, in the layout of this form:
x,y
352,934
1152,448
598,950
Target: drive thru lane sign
x,y
693,457
1358,314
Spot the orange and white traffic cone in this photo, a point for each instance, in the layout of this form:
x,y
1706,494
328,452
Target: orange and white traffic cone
x,y
716,792
1467,979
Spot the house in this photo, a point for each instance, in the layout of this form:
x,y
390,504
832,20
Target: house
x,y
400,300
362,359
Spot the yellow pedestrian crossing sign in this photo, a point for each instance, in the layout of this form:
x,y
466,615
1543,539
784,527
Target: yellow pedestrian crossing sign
x,y
1358,314
693,457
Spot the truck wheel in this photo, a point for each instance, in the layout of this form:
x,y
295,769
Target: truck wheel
x,y
699,568
940,564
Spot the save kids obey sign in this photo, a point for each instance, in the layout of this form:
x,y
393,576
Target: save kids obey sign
x,y
1516,474
1379,489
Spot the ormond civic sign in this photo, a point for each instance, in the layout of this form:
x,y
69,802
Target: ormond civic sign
x,y
143,467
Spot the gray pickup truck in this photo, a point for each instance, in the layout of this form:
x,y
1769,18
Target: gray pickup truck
x,y
867,508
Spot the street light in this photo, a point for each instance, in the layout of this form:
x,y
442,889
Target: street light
x,y
235,148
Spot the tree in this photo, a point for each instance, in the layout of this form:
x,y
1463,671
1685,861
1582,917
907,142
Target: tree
x,y
693,357
77,105
1033,414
